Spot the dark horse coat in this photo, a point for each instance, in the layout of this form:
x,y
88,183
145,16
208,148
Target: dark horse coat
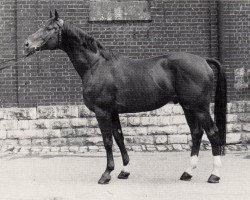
x,y
114,84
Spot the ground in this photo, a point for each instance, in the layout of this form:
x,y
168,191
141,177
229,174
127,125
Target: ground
x,y
153,176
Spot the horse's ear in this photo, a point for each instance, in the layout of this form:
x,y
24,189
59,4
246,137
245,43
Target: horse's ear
x,y
56,15
50,14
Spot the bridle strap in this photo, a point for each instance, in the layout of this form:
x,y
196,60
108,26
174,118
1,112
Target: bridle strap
x,y
59,36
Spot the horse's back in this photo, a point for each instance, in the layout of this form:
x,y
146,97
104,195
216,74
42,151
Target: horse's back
x,y
181,77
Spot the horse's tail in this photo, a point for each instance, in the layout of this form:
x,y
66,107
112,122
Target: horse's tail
x,y
220,102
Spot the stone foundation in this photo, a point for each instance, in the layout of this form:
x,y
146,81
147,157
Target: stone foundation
x,y
74,129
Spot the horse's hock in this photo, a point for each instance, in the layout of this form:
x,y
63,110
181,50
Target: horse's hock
x,y
74,129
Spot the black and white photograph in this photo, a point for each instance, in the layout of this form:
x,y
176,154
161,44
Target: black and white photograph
x,y
124,99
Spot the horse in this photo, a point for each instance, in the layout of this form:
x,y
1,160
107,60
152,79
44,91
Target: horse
x,y
113,83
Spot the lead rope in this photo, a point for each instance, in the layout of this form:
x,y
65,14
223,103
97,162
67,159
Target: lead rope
x,y
12,60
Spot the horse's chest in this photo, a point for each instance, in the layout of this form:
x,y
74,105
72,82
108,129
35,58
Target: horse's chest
x,y
98,95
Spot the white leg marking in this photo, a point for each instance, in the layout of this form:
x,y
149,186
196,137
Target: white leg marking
x,y
217,165
193,164
126,168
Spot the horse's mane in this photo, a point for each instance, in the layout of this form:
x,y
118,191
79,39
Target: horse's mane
x,y
89,42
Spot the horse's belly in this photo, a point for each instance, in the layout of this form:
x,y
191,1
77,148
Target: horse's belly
x,y
143,102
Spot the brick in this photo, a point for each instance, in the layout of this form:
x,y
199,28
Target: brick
x,y
161,139
247,138
143,140
23,124
73,149
244,117
134,121
161,148
78,122
68,132
176,139
85,112
238,107
248,106
183,129
10,142
154,130
177,147
8,125
150,148
52,133
67,111
36,150
57,142
54,149
130,131
25,142
64,149
2,113
87,132
83,149
233,127
33,134
20,113
169,147
58,123
233,138
40,142
179,119
246,127
93,148
93,141
164,120
46,112
232,118
147,121
39,124
185,147
124,121
136,148
45,150
92,122
165,110
78,141
177,110
3,134
25,150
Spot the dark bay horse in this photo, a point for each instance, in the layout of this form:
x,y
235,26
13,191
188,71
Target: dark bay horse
x,y
114,84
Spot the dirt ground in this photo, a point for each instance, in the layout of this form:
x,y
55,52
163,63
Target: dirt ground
x,y
153,176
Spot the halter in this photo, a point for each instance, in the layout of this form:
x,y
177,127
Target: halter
x,y
59,36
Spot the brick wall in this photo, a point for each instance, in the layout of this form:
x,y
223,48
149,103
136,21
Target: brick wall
x,y
64,129
48,78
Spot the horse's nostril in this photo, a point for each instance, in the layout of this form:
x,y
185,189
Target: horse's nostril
x,y
26,44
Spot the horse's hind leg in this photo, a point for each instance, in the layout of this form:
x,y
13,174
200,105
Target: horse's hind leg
x,y
196,134
212,134
118,135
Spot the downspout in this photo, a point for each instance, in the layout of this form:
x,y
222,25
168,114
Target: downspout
x,y
16,53
221,31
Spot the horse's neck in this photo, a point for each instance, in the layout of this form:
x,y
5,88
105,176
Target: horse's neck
x,y
81,58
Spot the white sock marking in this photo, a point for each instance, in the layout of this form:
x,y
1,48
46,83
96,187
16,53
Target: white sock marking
x,y
193,164
126,168
216,165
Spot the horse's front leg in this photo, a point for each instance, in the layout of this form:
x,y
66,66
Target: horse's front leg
x,y
105,123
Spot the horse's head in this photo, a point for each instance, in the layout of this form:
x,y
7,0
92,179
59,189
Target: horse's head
x,y
47,37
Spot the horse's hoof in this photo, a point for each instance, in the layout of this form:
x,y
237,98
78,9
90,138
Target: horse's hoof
x,y
186,177
123,175
104,179
213,179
